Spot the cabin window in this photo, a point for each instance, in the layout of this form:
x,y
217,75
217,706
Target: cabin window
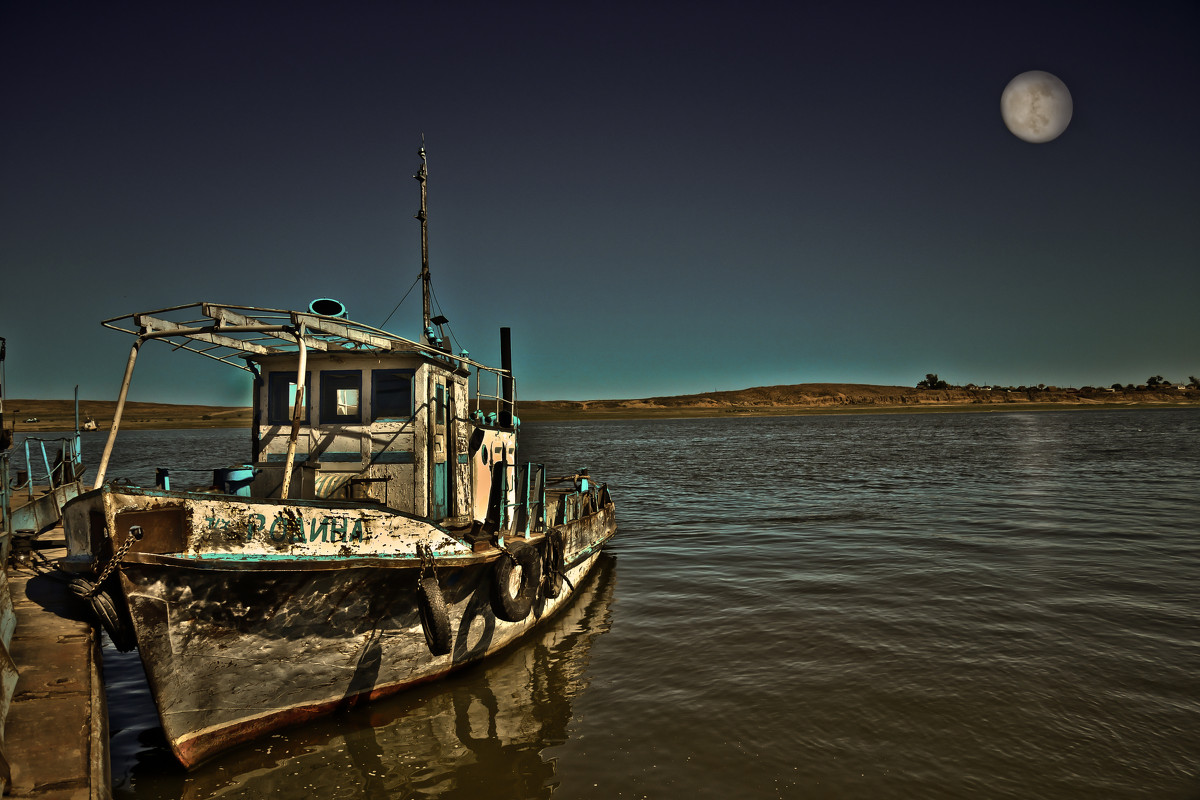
x,y
281,397
391,394
340,391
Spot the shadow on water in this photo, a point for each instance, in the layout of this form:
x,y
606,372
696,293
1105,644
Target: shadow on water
x,y
479,733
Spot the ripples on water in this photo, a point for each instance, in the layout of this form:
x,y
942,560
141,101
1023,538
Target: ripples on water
x,y
950,605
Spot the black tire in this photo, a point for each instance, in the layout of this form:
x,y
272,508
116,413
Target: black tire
x,y
515,581
118,626
553,567
435,618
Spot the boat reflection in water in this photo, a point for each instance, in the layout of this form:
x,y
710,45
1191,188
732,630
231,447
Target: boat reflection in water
x,y
476,734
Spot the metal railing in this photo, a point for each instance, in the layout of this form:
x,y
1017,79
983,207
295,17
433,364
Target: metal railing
x,y
528,511
496,401
38,471
65,469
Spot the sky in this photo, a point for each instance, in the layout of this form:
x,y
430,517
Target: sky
x,y
657,198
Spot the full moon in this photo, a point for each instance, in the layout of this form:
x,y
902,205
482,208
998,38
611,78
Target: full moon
x,y
1036,106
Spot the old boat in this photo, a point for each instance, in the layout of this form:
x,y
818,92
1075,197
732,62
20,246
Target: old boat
x,y
382,534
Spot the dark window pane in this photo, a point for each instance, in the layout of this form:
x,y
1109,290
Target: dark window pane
x,y
281,397
391,394
340,390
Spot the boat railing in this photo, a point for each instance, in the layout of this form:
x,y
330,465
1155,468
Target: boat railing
x,y
38,469
569,504
42,480
528,510
484,399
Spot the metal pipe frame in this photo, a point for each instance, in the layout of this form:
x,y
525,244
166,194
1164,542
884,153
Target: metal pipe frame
x,y
116,423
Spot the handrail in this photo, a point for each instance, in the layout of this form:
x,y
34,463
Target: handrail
x,y
530,479
64,470
500,402
55,475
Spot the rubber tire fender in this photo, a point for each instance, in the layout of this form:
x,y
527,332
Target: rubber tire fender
x,y
118,626
435,618
511,605
553,566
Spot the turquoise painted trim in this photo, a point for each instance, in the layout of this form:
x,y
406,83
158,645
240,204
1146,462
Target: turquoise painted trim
x,y
281,457
463,458
340,456
585,553
441,489
393,457
258,557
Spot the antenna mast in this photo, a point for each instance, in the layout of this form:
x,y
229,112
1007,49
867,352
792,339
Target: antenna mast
x,y
420,176
5,434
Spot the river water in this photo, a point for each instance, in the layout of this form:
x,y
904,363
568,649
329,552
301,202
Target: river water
x,y
988,605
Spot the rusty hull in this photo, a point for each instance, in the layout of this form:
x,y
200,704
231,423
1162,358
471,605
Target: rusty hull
x,y
246,628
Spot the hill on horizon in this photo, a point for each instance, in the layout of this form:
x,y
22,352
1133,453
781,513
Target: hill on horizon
x,y
789,398
828,396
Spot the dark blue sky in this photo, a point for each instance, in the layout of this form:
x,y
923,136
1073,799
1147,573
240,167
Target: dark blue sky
x,y
658,198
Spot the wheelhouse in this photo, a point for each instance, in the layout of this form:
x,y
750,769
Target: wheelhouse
x,y
347,412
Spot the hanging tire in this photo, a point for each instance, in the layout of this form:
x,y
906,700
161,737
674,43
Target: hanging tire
x,y
435,618
118,626
515,581
553,567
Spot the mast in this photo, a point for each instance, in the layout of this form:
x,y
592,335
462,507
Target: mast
x,y
5,435
421,215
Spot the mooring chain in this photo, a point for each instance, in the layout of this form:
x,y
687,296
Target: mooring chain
x,y
135,535
425,551
503,548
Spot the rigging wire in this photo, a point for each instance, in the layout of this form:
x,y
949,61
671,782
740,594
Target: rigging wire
x,y
402,299
438,303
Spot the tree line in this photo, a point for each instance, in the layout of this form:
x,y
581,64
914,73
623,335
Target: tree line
x,y
932,381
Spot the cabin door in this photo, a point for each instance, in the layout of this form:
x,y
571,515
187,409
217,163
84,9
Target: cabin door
x,y
441,471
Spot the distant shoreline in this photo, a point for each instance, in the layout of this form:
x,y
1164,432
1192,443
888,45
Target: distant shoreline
x,y
770,401
805,411
846,398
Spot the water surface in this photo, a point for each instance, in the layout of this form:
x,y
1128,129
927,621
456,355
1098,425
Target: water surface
x,y
992,605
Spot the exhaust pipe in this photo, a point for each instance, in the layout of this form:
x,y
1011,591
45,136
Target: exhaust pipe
x,y
506,381
328,307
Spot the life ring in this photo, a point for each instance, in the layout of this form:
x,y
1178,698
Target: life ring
x,y
118,626
435,619
553,567
515,581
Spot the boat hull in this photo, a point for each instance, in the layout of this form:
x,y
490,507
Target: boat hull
x,y
236,648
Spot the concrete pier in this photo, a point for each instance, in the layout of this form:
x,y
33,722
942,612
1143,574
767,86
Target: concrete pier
x,y
56,735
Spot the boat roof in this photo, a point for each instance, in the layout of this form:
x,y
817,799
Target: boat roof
x,y
231,334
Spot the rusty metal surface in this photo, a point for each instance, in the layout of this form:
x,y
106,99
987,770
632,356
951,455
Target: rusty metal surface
x,y
232,653
251,613
518,702
163,529
216,526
